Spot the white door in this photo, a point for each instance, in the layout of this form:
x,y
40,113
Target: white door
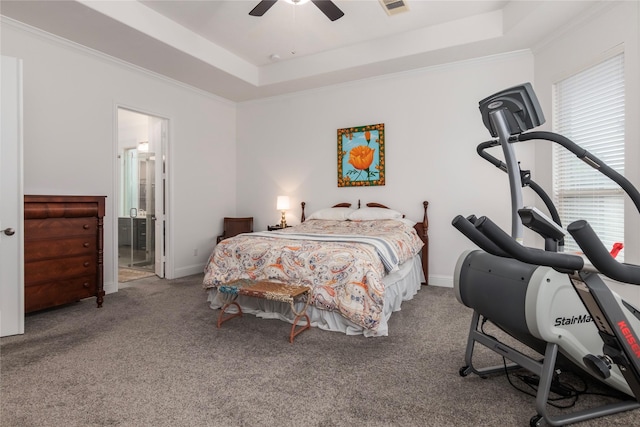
x,y
11,200
159,130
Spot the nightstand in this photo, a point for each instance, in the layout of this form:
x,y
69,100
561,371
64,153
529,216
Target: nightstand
x,y
275,227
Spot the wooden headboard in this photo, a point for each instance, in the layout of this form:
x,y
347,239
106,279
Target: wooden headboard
x,y
422,228
339,205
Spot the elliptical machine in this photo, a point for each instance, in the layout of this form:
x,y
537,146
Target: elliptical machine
x,y
556,305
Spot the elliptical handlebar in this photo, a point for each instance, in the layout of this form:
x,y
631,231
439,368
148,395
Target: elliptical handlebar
x,y
525,178
601,259
580,230
466,227
560,261
589,159
481,150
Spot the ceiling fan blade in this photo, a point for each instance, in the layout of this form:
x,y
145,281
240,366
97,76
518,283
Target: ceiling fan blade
x,y
262,7
329,8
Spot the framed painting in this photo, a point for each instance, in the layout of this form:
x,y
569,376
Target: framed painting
x,y
361,156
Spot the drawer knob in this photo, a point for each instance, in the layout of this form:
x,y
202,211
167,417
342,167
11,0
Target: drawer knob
x,y
86,263
85,244
85,284
86,226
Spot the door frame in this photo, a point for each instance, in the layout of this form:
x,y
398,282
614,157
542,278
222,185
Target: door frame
x,y
167,244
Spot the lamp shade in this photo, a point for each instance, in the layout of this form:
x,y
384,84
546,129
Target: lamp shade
x,y
283,203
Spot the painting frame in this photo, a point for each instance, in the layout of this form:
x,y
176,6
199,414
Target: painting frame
x,y
361,160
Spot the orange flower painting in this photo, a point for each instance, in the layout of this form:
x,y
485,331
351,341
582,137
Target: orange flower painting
x,y
361,156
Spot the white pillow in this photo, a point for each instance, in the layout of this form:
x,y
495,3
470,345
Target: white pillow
x,y
336,214
368,214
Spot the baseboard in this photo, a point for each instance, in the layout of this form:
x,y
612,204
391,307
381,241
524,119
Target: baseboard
x,y
110,288
442,281
188,270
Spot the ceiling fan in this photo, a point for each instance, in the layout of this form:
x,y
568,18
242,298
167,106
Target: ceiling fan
x,y
326,6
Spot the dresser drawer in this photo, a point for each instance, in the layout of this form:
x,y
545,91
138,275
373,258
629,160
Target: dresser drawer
x,y
60,227
59,291
52,269
35,250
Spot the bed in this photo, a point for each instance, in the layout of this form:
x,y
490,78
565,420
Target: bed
x,y
361,264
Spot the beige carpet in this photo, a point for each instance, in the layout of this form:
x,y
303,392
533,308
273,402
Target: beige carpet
x,y
129,274
152,356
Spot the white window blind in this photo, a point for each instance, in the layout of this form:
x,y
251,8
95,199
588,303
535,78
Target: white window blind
x,y
589,110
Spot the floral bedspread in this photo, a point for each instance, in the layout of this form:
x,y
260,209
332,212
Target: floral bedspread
x,y
346,276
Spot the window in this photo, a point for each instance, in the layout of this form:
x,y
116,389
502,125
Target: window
x,y
589,110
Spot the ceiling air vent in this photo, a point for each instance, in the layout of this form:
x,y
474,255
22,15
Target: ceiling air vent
x,y
394,6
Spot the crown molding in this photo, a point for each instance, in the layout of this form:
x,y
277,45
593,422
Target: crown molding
x,y
65,43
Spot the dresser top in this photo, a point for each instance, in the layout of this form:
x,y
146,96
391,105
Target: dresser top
x,y
41,207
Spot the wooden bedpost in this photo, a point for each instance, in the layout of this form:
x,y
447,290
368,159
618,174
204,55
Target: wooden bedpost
x,y
302,218
423,228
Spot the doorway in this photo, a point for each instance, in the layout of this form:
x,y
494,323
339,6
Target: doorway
x,y
142,141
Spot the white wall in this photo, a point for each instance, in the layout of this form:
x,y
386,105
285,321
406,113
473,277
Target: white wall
x,y
70,99
288,145
612,28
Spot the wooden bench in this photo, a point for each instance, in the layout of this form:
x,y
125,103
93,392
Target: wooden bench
x,y
267,290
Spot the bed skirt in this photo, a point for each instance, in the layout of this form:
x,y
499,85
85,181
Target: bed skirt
x,y
400,286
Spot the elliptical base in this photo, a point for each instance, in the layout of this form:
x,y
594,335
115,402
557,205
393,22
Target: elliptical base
x,y
544,370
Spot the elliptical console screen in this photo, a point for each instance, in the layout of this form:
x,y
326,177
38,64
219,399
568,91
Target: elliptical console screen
x,y
521,107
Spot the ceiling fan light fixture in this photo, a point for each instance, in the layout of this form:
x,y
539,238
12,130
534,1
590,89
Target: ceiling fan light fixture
x,y
327,7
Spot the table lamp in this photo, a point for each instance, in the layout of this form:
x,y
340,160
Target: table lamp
x,y
282,205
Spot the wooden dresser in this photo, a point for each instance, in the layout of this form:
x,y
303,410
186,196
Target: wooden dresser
x,y
63,250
